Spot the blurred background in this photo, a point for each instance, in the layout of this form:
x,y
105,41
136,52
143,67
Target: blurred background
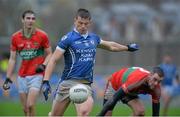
x,y
153,24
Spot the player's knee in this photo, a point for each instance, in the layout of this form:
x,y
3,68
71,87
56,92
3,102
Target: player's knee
x,y
30,106
25,110
139,112
83,113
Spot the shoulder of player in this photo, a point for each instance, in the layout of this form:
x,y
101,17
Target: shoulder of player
x,y
17,33
69,35
39,31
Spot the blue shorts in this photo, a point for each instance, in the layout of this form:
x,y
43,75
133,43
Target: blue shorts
x,y
172,90
29,82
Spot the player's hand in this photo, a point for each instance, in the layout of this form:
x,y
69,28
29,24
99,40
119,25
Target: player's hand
x,y
40,68
46,88
7,84
133,47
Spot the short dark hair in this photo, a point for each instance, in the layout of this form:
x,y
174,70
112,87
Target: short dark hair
x,y
83,13
27,12
159,71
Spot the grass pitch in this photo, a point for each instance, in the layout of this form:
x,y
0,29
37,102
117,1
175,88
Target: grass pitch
x,y
13,108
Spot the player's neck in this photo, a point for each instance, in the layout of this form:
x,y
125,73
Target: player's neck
x,y
27,32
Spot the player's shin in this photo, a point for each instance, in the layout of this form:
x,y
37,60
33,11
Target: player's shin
x,y
112,102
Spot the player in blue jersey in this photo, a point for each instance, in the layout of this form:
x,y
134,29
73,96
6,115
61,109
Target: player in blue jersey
x,y
170,84
79,50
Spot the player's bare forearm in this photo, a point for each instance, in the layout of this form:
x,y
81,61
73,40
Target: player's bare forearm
x,y
52,63
49,69
115,47
112,46
11,64
48,56
10,69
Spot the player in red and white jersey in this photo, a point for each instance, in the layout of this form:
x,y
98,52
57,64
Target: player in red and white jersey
x,y
32,44
31,50
127,83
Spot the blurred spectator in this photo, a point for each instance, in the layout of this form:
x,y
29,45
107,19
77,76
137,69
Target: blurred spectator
x,y
168,26
112,30
171,14
102,14
157,29
170,84
132,28
176,30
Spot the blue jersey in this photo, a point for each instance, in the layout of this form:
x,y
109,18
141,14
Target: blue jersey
x,y
79,55
170,73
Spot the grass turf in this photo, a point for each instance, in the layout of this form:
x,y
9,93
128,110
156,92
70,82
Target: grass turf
x,y
14,109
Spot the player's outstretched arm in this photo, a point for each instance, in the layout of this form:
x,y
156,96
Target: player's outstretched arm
x,y
52,63
49,70
11,65
112,102
116,47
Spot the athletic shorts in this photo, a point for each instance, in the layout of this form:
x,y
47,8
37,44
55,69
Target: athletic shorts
x,y
28,82
62,91
109,92
172,90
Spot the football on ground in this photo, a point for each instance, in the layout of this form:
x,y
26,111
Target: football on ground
x,y
78,93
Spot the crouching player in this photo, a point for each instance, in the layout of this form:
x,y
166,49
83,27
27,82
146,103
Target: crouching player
x,y
127,83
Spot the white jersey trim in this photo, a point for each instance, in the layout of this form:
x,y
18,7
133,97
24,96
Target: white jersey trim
x,y
62,50
73,60
100,40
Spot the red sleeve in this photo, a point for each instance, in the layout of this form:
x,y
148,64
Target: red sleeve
x,y
45,43
13,45
134,81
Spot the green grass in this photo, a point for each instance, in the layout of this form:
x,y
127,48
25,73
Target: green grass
x,y
42,109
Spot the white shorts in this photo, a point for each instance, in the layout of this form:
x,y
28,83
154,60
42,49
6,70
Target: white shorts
x,y
62,92
27,82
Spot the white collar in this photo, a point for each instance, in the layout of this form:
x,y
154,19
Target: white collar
x,y
84,35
